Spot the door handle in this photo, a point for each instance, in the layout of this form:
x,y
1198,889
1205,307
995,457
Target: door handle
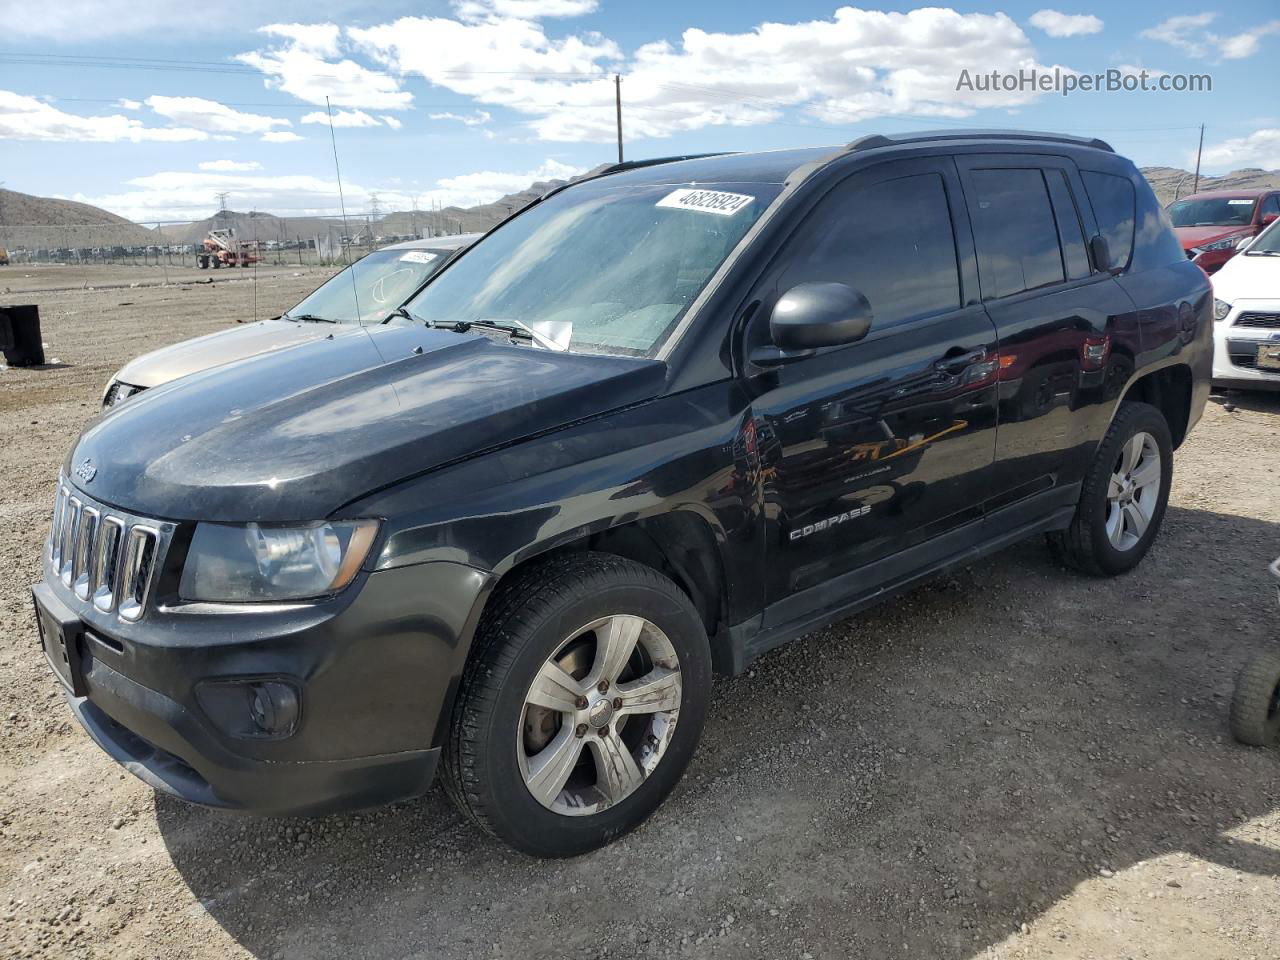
x,y
955,361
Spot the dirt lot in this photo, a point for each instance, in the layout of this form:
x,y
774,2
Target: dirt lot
x,y
1010,762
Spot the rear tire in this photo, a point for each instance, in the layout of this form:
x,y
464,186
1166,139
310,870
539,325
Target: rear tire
x,y
1123,497
1255,707
580,706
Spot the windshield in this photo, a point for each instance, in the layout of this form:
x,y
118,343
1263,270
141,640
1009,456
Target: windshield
x,y
383,280
1268,241
1213,212
598,269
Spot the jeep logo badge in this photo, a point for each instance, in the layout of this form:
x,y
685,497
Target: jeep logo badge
x,y
86,471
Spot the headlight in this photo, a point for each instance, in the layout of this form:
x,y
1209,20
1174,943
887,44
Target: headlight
x,y
117,391
1226,243
1220,309
247,562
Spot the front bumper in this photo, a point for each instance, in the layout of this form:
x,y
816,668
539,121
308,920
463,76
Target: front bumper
x,y
375,668
1251,324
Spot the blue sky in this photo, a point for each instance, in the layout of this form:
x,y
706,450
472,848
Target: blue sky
x,y
152,108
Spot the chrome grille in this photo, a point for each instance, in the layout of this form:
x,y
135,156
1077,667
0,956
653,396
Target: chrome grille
x,y
1265,320
104,557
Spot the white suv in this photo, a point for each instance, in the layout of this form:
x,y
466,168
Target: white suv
x,y
1246,308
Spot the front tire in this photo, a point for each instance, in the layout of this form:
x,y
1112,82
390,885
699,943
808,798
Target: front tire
x,y
1123,497
580,706
1255,707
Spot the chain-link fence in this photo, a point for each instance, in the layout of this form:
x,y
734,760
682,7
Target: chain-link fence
x,y
226,241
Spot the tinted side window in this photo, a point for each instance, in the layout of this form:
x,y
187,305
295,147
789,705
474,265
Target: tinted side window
x,y
1074,255
891,240
1015,231
1113,205
1271,205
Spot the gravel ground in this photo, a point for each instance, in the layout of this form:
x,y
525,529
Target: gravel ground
x,y
1010,762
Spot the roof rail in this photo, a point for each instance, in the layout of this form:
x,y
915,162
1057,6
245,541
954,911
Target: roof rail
x,y
629,165
653,162
874,140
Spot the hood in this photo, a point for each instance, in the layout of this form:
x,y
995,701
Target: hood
x,y
191,356
293,435
1196,236
1248,278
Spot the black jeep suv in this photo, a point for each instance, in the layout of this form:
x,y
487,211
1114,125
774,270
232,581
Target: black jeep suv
x,y
656,424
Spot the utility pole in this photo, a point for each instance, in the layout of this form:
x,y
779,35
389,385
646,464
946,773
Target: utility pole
x,y
413,214
1195,186
222,206
617,101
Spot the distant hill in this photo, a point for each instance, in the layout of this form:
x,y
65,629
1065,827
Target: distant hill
x,y
27,221
263,226
1166,181
400,223
476,219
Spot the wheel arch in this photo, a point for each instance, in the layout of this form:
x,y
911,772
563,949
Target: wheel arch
x,y
1169,390
683,545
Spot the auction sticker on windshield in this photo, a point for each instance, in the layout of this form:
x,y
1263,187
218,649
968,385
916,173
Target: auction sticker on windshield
x,y
419,256
706,201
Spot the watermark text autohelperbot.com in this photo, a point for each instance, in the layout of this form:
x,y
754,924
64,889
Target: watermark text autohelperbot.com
x,y
1032,80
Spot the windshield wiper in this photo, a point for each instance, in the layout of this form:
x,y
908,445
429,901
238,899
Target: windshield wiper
x,y
1262,253
404,314
547,338
306,318
513,328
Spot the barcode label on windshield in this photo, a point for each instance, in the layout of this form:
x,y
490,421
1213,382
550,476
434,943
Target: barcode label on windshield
x,y
419,256
1239,203
706,201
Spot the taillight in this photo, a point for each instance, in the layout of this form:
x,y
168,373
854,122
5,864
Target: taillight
x,y
1094,352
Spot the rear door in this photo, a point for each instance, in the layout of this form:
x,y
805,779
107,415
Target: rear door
x,y
877,446
1068,335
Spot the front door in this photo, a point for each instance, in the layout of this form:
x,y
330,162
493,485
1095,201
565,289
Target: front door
x,y
875,447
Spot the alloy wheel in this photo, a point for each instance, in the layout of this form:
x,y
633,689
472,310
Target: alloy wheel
x,y
599,715
1133,491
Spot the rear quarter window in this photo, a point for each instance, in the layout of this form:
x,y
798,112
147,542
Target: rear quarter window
x,y
1115,208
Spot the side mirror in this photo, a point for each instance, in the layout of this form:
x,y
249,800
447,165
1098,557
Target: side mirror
x,y
1100,253
814,315
1269,218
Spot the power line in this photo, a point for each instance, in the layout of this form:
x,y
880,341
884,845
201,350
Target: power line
x,y
212,66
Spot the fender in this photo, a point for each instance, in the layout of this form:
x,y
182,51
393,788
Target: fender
x,y
675,454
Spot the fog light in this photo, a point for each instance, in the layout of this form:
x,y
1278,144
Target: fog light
x,y
274,708
251,709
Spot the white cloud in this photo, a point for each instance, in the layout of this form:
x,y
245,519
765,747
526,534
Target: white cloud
x,y
342,118
322,39
1133,70
280,136
392,122
857,65
26,118
303,67
1259,149
125,103
69,21
1057,24
479,118
470,189
189,195
1189,34
226,166
212,116
523,9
